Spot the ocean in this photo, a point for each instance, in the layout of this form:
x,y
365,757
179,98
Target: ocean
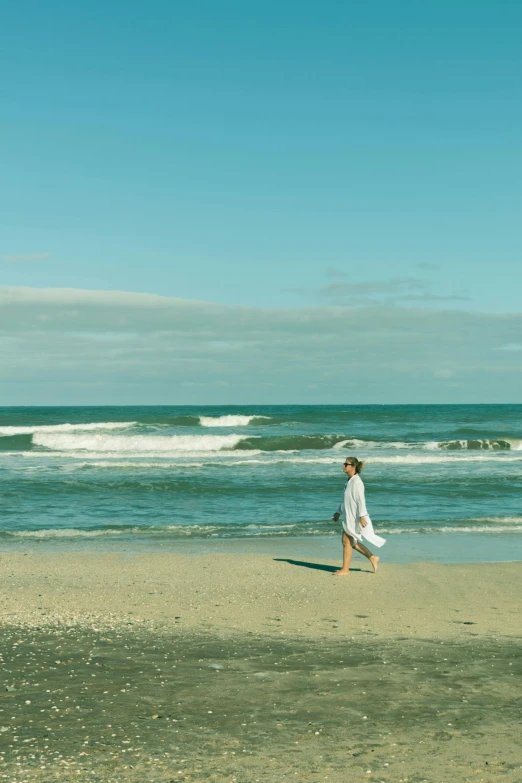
x,y
158,475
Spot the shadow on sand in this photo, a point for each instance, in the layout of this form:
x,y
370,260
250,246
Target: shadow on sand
x,y
316,566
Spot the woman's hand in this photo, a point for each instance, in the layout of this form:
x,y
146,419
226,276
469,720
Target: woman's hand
x,y
363,521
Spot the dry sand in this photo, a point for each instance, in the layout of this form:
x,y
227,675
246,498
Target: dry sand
x,y
163,667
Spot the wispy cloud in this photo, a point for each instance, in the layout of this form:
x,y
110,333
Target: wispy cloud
x,y
333,271
511,347
393,290
347,290
23,258
428,267
105,344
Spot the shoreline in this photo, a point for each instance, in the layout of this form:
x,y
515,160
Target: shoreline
x,y
230,592
457,548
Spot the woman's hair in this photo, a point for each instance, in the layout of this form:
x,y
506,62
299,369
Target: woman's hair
x,y
357,463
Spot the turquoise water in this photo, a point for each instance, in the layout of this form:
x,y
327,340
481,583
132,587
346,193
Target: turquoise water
x,y
165,474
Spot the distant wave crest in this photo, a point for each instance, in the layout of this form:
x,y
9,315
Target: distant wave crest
x,y
110,437
50,428
136,443
230,420
486,444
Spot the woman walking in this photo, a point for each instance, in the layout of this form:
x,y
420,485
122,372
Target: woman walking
x,y
356,521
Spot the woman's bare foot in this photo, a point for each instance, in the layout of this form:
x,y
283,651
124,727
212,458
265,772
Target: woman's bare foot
x,y
374,560
341,573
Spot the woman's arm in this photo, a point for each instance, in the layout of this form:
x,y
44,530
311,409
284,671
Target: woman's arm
x,y
338,513
362,511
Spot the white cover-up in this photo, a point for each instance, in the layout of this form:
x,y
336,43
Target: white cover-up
x,y
352,507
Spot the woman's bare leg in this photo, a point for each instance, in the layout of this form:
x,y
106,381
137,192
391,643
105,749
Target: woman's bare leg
x,y
347,555
374,560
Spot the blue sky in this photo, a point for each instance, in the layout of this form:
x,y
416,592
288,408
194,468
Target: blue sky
x,y
268,155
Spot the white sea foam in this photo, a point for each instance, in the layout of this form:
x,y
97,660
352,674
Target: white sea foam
x,y
506,528
50,533
137,465
354,443
136,443
484,444
479,444
248,458
251,457
228,421
176,531
111,458
221,458
60,428
64,533
357,443
484,526
501,520
421,459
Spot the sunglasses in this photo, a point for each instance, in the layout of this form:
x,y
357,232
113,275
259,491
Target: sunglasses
x,y
348,465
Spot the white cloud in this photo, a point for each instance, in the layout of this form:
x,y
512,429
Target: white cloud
x,y
68,345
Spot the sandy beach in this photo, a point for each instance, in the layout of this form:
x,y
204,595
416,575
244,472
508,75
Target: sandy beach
x,y
162,667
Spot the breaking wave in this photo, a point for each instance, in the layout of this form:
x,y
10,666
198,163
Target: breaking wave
x,y
488,444
290,442
100,438
231,420
50,428
341,442
136,443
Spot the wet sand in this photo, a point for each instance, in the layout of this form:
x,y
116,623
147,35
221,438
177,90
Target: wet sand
x,y
248,668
